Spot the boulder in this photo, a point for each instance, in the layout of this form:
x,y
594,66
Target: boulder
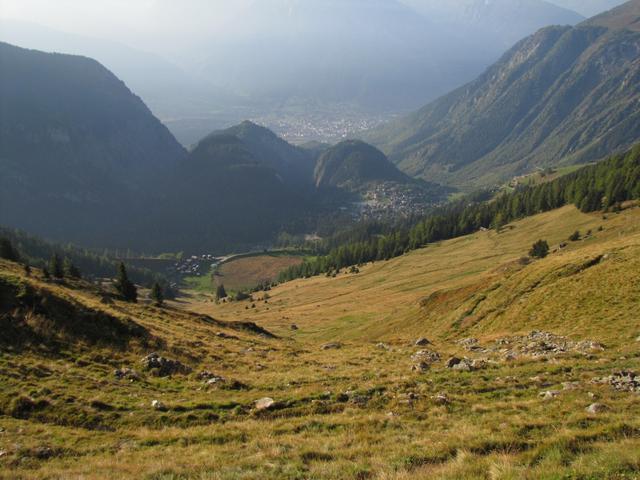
x,y
127,373
294,327
331,346
422,342
596,408
453,361
158,405
265,403
420,367
441,399
428,356
549,395
162,366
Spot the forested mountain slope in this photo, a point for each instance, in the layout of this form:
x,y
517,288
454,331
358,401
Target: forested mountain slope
x,y
76,147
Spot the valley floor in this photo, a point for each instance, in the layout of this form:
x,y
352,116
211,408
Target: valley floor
x,y
520,376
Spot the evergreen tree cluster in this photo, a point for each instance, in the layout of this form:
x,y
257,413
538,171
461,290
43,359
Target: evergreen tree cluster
x,y
38,253
601,186
8,251
125,287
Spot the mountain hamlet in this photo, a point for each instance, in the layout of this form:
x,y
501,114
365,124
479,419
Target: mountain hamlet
x,y
442,283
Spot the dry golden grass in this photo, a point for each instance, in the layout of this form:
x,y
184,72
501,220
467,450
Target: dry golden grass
x,y
390,425
247,273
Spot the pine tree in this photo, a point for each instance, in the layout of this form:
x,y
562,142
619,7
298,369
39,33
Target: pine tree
x,y
45,274
124,286
55,267
7,251
156,294
70,270
221,292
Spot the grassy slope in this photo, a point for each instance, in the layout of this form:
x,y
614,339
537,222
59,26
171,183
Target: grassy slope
x,y
495,426
249,272
383,301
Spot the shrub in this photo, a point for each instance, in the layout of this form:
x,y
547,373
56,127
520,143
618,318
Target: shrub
x,y
540,249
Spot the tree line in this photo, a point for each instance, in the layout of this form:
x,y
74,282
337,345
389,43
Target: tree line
x,y
39,253
595,187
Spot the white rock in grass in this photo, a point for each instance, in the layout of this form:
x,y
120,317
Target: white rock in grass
x,y
596,408
265,403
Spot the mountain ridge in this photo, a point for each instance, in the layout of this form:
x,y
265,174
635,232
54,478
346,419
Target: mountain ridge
x,y
561,96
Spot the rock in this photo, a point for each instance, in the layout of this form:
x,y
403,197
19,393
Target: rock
x,y
331,346
158,405
441,399
382,346
479,364
470,344
464,364
360,400
452,362
427,356
215,380
294,327
162,366
234,385
623,381
596,408
420,367
570,385
127,373
265,403
549,395
226,336
42,453
422,342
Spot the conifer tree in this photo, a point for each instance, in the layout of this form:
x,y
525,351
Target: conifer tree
x,y
7,250
221,292
156,294
70,270
55,267
124,286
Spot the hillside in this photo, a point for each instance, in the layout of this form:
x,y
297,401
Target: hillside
x,y
243,198
564,95
353,165
79,384
75,147
295,165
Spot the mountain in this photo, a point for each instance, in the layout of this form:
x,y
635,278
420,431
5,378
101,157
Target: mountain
x,y
376,55
352,165
226,195
496,22
295,165
588,8
76,146
562,96
171,92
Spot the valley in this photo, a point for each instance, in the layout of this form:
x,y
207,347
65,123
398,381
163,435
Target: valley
x,y
346,287
346,402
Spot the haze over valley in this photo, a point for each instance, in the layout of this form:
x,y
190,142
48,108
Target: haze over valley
x,y
319,239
